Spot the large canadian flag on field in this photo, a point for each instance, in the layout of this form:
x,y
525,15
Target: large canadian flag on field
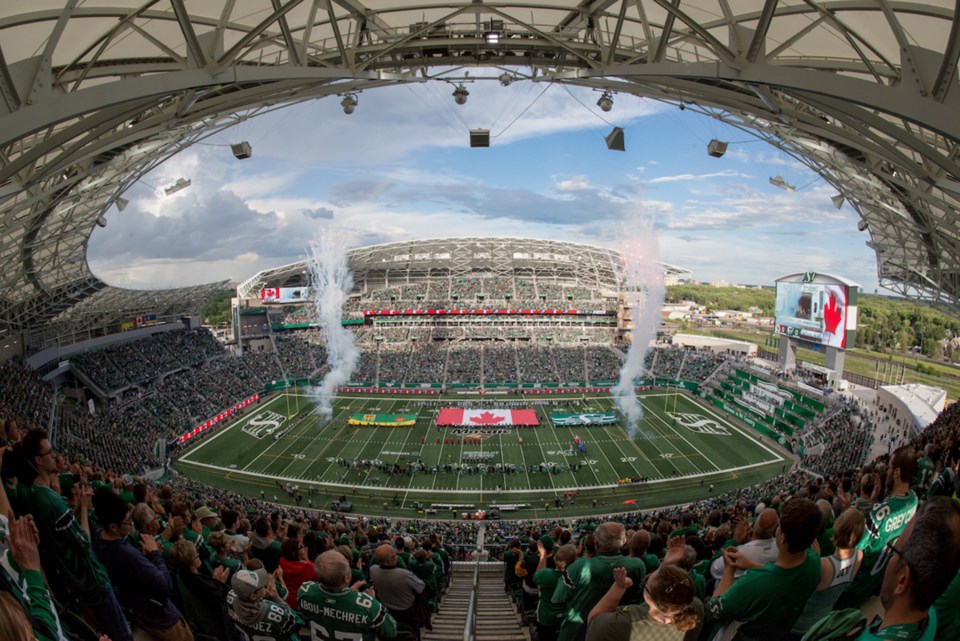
x,y
486,418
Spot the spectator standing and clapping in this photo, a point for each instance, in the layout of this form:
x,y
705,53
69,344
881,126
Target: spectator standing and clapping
x,y
766,601
588,579
141,577
549,614
202,597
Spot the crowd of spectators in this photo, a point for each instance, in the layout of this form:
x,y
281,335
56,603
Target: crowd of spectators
x,y
120,365
90,543
603,364
464,366
298,354
536,364
502,290
772,561
839,442
499,363
175,561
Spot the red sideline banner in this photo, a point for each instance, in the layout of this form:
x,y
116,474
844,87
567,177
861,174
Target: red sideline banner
x,y
458,417
487,312
225,414
577,390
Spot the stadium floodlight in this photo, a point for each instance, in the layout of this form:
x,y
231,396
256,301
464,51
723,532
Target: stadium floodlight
x,y
505,79
606,101
778,181
863,225
121,203
101,221
460,94
241,150
838,201
614,139
349,103
182,183
716,148
479,137
494,32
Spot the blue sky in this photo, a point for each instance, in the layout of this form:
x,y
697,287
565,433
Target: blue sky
x,y
401,168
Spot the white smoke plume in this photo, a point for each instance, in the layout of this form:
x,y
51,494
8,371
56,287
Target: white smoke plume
x,y
332,281
643,276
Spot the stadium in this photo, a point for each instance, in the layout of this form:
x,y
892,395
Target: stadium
x,y
545,320
164,482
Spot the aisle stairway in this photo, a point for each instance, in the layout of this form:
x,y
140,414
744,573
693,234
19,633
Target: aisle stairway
x,y
497,619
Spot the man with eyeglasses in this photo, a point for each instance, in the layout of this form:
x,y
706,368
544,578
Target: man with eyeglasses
x,y
141,577
73,571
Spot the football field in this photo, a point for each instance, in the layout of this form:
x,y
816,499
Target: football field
x,y
682,444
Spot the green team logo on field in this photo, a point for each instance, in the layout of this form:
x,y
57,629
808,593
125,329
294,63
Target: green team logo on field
x,y
264,424
585,418
698,423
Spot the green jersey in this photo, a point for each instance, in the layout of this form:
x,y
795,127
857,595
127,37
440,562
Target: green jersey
x,y
885,522
586,581
27,587
764,602
926,630
510,558
345,615
426,572
271,622
947,612
926,471
548,613
944,484
72,568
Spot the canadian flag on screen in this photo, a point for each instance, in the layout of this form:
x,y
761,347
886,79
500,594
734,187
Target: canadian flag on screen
x,y
270,292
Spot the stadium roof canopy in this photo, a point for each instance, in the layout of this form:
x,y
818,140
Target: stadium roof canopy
x,y
379,266
95,93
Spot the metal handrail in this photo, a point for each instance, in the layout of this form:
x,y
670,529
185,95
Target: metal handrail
x,y
470,625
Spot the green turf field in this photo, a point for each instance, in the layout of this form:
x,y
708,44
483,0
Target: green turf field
x,y
684,448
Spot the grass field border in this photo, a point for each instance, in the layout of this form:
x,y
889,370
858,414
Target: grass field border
x,y
654,491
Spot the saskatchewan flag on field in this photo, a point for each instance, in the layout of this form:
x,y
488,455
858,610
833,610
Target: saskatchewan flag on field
x,y
383,420
588,418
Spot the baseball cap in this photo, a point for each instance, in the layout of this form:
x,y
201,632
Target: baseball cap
x,y
246,582
547,541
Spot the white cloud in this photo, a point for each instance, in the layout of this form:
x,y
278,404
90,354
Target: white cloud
x,y
399,168
726,173
574,183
